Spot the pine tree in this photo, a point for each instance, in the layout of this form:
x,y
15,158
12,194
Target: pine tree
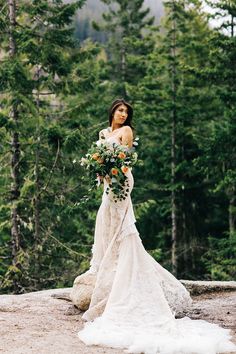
x,y
176,103
130,40
219,156
223,57
35,66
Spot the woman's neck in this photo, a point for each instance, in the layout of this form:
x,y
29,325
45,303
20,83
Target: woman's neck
x,y
115,126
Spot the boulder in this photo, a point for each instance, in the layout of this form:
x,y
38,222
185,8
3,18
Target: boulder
x,y
82,290
198,287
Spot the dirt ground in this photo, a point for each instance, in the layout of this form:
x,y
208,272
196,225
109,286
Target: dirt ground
x,y
45,322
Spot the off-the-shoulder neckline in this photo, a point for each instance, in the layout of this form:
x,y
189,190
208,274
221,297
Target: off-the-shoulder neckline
x,y
110,131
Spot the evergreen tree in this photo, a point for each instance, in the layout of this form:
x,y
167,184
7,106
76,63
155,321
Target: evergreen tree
x,y
218,160
130,40
35,66
177,103
222,150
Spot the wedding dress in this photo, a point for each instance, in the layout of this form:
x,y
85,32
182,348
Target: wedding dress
x,y
135,299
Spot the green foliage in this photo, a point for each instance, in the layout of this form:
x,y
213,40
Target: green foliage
x,y
130,40
220,258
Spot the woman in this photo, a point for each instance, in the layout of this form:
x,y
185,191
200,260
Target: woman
x,y
135,300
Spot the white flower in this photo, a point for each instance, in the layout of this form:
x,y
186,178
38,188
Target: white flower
x,y
83,161
74,161
114,180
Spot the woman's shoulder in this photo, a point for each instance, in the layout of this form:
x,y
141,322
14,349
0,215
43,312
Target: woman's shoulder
x,y
127,130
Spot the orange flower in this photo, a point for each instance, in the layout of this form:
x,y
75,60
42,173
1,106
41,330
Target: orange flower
x,y
95,156
124,169
122,155
114,171
100,160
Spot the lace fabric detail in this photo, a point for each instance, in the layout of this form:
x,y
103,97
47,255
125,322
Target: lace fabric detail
x,y
180,301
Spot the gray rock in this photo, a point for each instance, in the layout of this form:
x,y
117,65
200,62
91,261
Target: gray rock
x,y
200,287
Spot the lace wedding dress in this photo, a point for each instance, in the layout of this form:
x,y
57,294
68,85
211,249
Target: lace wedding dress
x,y
135,300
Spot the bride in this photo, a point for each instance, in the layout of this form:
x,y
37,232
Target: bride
x,y
134,299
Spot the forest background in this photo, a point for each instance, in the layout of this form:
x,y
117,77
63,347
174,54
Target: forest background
x,y
62,64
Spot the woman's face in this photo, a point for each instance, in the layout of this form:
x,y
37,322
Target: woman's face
x,y
120,115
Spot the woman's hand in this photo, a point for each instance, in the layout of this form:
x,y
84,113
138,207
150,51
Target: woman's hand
x,y
100,178
108,179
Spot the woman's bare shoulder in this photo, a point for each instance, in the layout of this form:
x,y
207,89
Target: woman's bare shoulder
x,y
127,130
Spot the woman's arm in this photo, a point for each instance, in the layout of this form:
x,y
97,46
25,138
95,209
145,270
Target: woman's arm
x,y
127,136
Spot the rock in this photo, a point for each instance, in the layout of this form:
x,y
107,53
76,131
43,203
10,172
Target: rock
x,y
82,290
38,323
200,287
72,310
62,296
44,322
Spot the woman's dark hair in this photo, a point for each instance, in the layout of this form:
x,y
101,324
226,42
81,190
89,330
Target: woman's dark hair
x,y
116,104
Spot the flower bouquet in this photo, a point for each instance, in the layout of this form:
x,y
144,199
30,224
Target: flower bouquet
x,y
110,161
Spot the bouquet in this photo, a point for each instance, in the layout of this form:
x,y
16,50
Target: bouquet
x,y
110,161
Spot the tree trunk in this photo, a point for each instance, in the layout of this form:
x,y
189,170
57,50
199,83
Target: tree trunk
x,y
15,158
185,240
232,211
232,195
174,260
123,70
37,187
232,26
12,19
173,201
